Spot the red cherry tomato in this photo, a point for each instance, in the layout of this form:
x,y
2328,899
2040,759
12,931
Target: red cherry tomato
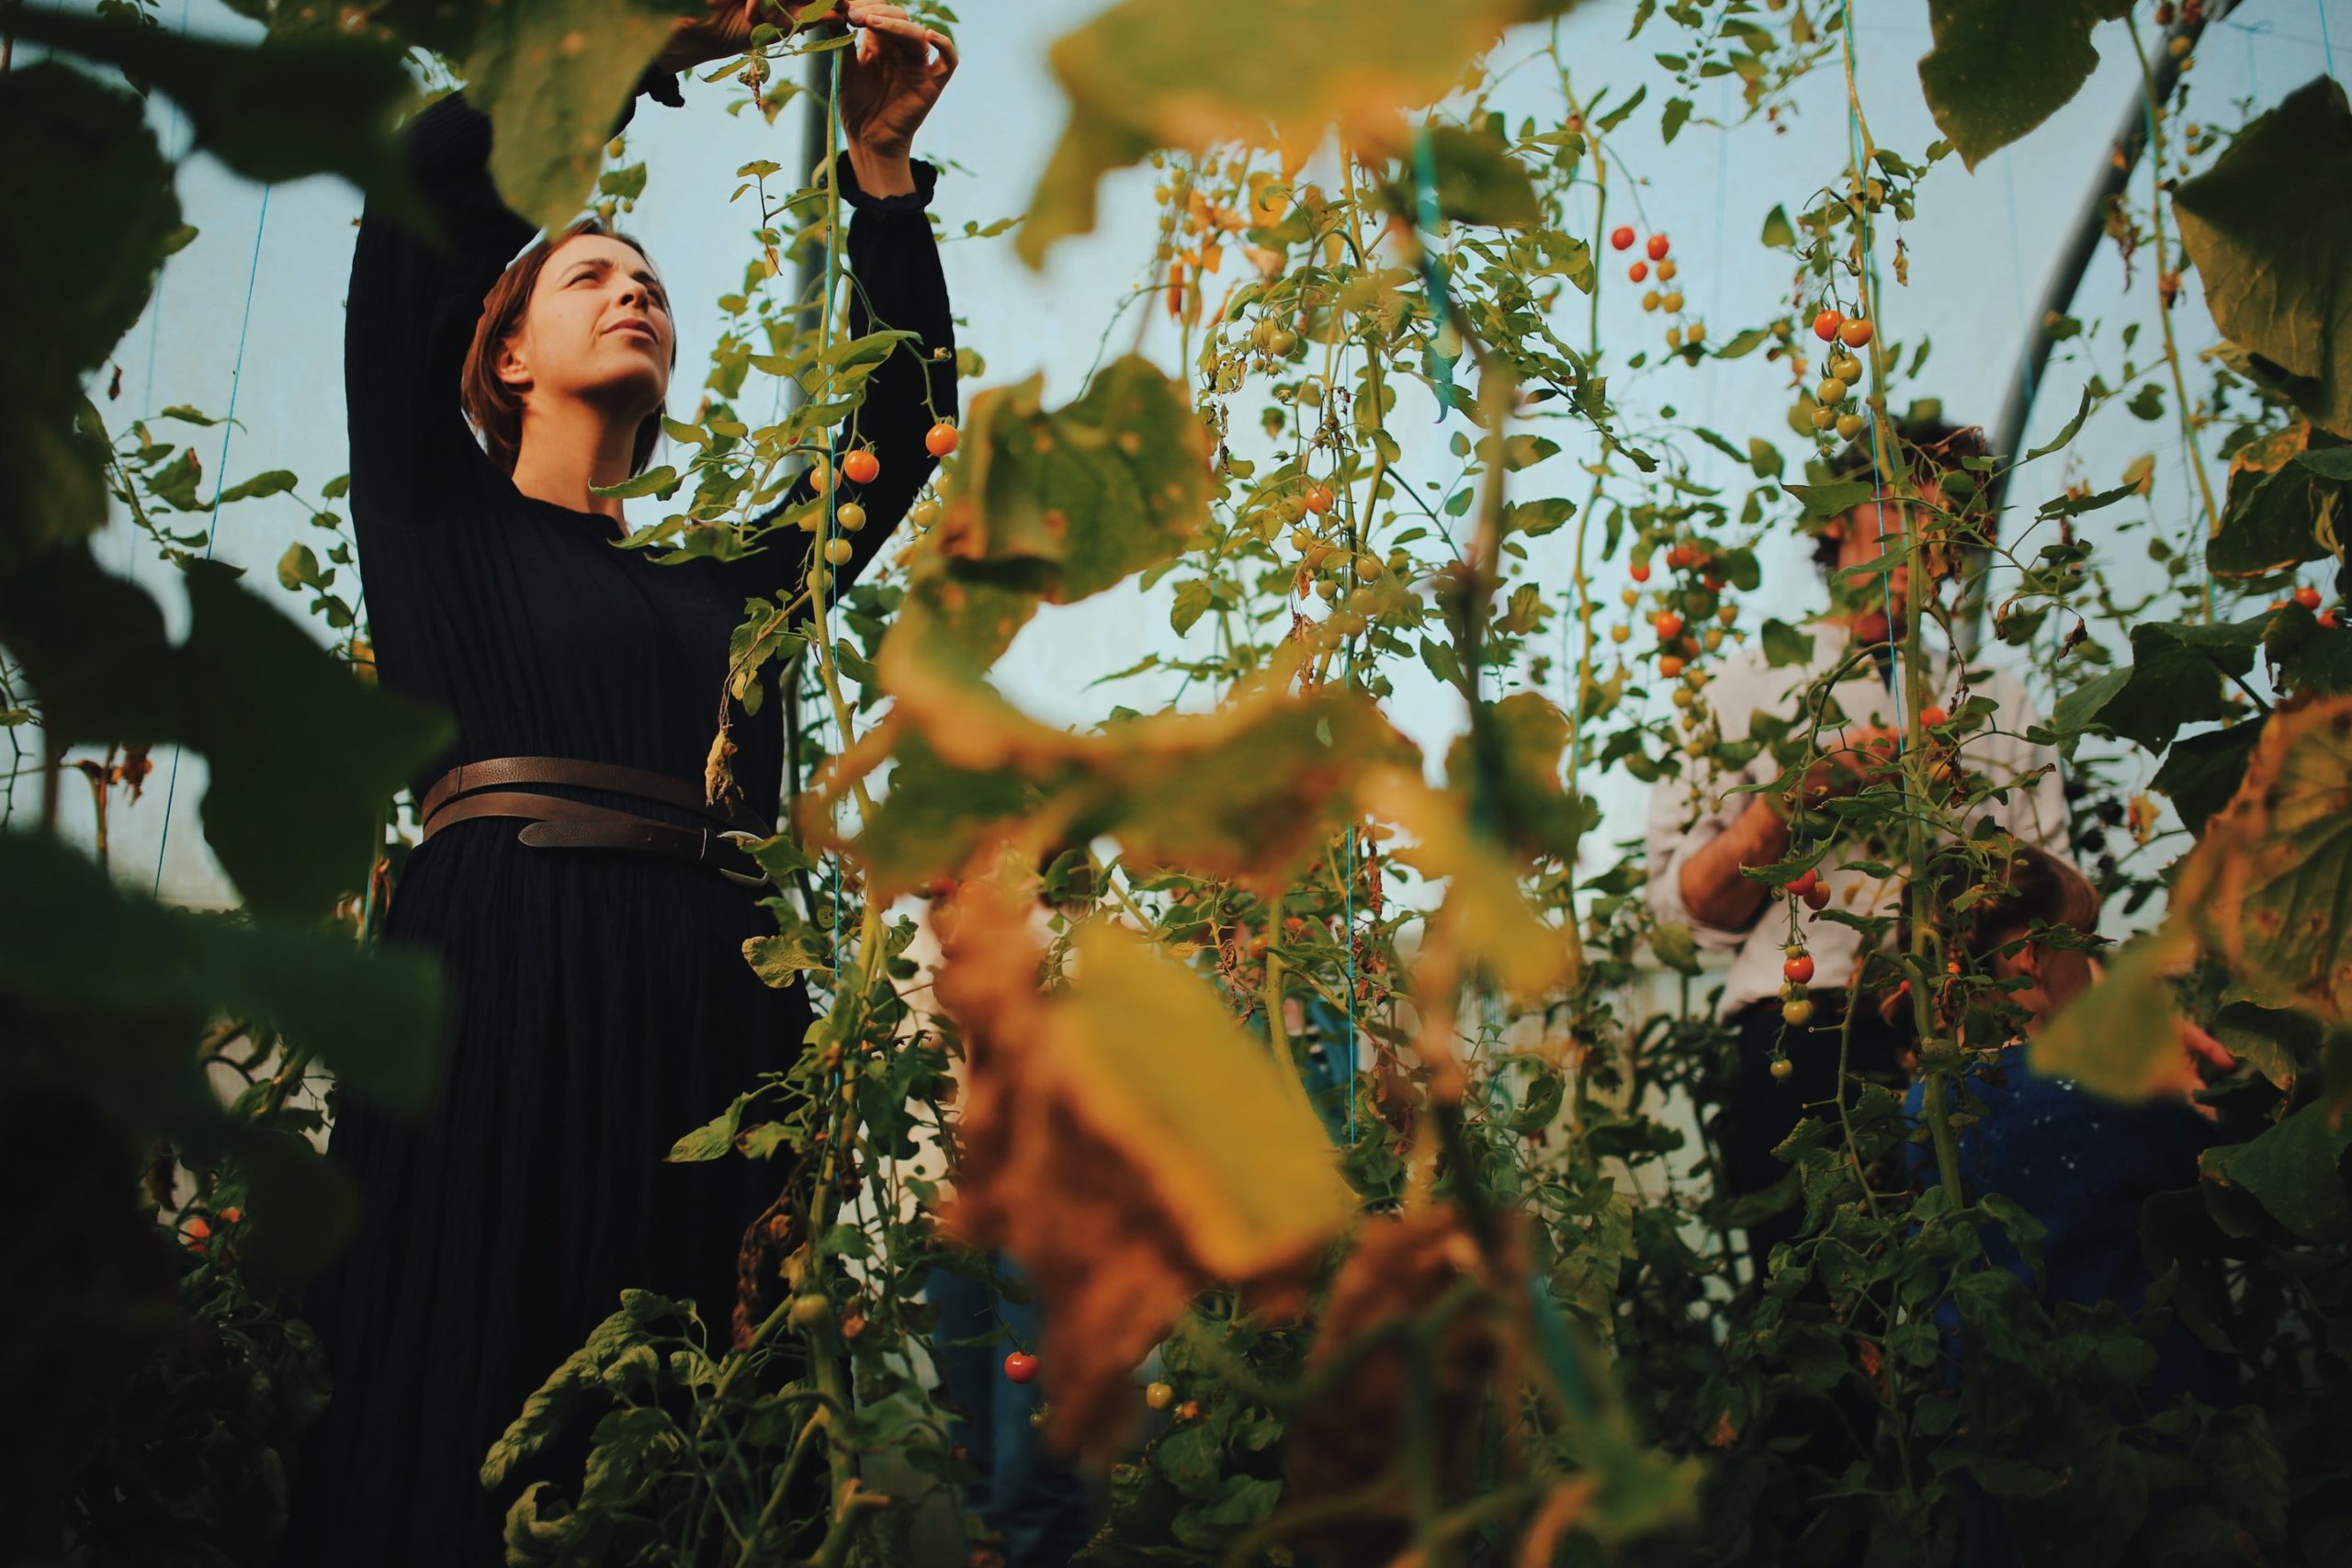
x,y
1934,718
1021,1367
1638,271
1657,247
2327,619
2307,596
1319,499
860,466
1641,572
1825,325
1669,625
940,439
1799,969
1670,666
1621,237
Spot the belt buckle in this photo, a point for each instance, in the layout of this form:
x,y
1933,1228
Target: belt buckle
x,y
741,839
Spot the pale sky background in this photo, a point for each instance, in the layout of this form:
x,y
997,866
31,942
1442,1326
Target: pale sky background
x,y
1979,254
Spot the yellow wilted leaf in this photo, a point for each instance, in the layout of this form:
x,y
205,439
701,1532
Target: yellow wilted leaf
x,y
1484,918
1184,73
2266,883
1129,1144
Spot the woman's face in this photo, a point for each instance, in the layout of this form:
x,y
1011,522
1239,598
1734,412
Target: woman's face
x,y
597,330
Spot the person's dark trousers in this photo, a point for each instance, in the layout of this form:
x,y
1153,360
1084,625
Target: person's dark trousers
x,y
1037,1503
1764,1110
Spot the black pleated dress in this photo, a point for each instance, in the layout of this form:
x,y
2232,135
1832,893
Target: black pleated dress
x,y
600,1002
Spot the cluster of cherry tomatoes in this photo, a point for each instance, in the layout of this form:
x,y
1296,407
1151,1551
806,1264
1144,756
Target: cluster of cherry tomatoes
x,y
1844,334
1688,618
197,1231
860,467
2310,599
1666,296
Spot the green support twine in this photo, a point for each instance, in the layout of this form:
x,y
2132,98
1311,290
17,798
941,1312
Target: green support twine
x,y
1438,363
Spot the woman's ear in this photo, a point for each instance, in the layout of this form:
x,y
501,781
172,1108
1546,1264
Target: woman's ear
x,y
2028,961
512,370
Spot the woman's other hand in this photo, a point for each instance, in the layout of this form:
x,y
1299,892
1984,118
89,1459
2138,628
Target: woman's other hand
x,y
894,71
724,30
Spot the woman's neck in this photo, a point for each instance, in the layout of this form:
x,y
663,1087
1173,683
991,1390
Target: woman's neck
x,y
567,447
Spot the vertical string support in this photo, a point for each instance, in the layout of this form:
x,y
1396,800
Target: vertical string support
x,y
212,521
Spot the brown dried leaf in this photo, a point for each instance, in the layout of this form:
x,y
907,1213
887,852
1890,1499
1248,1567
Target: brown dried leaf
x,y
1129,1144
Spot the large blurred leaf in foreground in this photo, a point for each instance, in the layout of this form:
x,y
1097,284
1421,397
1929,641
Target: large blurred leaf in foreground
x,y
91,211
2268,881
1184,73
553,76
106,992
1129,1144
2001,67
2271,235
301,753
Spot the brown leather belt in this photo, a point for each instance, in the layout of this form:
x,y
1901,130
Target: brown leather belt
x,y
475,789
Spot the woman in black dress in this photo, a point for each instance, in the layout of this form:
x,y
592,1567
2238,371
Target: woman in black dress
x,y
600,1005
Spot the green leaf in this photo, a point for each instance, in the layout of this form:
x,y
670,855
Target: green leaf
x,y
2295,1171
2177,678
302,754
712,1139
2119,1038
662,482
1785,643
2203,770
1166,74
2001,67
1675,947
1479,181
2073,427
298,103
74,946
578,1385
277,481
2285,505
90,205
1779,233
2277,264
553,76
1677,111
1830,499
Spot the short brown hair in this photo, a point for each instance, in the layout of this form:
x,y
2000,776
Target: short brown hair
x,y
496,408
2036,888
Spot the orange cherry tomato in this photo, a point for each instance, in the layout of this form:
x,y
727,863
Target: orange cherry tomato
x,y
860,467
940,439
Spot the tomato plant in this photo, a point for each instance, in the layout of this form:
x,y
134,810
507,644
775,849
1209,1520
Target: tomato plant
x,y
1350,1082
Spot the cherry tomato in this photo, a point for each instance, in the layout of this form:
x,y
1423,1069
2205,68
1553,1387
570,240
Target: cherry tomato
x,y
232,1214
1638,271
860,466
1934,718
1189,1411
850,515
2327,619
1319,499
1657,247
1817,895
2307,596
925,513
1641,572
1670,666
1021,1367
1667,625
1825,325
1621,237
1799,969
1798,1013
940,439
1666,270
837,550
1782,1067
1855,334
1160,1395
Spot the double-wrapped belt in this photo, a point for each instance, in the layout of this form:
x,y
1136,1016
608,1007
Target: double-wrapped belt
x,y
487,788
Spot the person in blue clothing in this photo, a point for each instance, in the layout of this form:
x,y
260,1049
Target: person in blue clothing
x,y
2082,1165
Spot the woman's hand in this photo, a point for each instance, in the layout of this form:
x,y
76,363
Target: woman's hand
x,y
889,83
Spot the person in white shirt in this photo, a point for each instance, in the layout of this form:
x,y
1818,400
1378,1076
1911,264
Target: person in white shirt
x,y
1701,836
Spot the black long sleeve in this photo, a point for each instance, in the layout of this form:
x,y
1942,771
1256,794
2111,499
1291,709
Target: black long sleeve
x,y
895,284
413,306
